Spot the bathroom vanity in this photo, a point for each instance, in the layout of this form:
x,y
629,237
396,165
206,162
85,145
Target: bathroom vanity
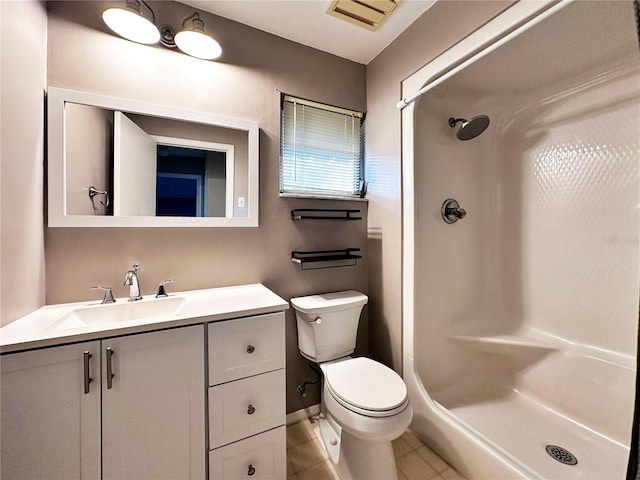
x,y
182,387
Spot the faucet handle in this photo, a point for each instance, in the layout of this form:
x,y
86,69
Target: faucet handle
x,y
161,291
108,296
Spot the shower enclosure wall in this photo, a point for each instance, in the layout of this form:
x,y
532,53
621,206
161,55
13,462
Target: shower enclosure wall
x,y
520,320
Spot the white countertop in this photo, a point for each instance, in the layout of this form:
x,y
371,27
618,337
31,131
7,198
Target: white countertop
x,y
46,326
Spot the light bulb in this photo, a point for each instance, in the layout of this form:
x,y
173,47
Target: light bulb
x,y
198,44
130,24
195,41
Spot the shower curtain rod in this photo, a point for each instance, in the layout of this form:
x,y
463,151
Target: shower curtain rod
x,y
480,52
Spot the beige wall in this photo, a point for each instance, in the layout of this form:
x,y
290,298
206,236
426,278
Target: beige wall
x,y
23,43
245,83
443,25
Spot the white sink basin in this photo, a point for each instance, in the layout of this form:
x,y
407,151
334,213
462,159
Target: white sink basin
x,y
114,313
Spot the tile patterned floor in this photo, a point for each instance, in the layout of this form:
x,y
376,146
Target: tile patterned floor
x,y
307,460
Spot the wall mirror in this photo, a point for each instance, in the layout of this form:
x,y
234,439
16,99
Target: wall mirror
x,y
120,163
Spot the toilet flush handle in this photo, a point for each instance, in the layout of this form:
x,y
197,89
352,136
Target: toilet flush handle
x,y
317,321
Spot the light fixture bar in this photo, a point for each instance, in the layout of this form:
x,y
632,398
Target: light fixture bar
x,y
129,22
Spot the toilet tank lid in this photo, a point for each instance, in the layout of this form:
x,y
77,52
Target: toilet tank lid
x,y
329,301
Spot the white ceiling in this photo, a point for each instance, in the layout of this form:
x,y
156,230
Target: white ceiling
x,y
306,22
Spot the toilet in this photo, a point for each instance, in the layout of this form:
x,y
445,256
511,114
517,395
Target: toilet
x,y
364,404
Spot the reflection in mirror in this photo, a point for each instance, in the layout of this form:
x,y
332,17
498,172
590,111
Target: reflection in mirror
x,y
148,174
193,181
89,150
115,162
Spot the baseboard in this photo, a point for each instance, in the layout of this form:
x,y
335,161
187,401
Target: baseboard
x,y
295,417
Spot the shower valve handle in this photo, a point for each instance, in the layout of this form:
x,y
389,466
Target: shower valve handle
x,y
451,211
459,213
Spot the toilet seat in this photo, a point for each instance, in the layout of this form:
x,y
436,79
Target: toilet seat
x,y
366,387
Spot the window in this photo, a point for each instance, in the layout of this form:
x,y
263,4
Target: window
x,y
321,149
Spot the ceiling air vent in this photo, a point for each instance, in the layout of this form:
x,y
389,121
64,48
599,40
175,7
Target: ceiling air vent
x,y
364,13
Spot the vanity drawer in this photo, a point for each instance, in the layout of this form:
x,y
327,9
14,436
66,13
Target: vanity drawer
x,y
260,457
246,346
246,407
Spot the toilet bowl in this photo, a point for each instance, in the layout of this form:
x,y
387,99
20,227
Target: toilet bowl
x,y
364,404
366,397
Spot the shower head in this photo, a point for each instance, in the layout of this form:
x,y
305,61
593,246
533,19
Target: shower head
x,y
470,128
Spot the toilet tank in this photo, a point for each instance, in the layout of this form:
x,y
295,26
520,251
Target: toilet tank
x,y
328,324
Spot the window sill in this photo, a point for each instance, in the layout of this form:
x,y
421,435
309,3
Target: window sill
x,y
322,197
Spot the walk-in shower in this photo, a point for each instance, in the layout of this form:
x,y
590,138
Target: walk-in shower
x,y
521,321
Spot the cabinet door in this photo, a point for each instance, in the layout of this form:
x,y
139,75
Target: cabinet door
x,y
49,426
153,412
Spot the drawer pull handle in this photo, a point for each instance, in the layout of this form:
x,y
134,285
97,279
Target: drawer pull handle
x,y
87,374
251,410
251,349
251,471
110,374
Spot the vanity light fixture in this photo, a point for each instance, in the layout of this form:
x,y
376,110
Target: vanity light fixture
x,y
194,41
129,23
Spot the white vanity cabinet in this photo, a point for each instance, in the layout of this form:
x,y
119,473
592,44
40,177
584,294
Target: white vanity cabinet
x,y
247,436
152,414
198,393
49,421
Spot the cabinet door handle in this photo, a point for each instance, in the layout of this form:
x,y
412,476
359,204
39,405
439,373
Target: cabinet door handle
x,y
251,349
110,374
87,378
251,410
251,471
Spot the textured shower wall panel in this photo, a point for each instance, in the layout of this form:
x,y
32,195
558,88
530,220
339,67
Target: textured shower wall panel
x,y
580,216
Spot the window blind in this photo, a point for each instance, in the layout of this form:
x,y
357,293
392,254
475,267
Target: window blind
x,y
321,149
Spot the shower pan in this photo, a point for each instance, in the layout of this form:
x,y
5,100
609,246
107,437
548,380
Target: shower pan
x,y
520,342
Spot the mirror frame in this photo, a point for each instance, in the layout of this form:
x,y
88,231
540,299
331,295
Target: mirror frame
x,y
57,167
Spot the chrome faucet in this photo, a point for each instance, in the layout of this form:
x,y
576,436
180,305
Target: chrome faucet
x,y
131,280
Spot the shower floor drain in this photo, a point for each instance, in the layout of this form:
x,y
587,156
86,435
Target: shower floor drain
x,y
561,455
